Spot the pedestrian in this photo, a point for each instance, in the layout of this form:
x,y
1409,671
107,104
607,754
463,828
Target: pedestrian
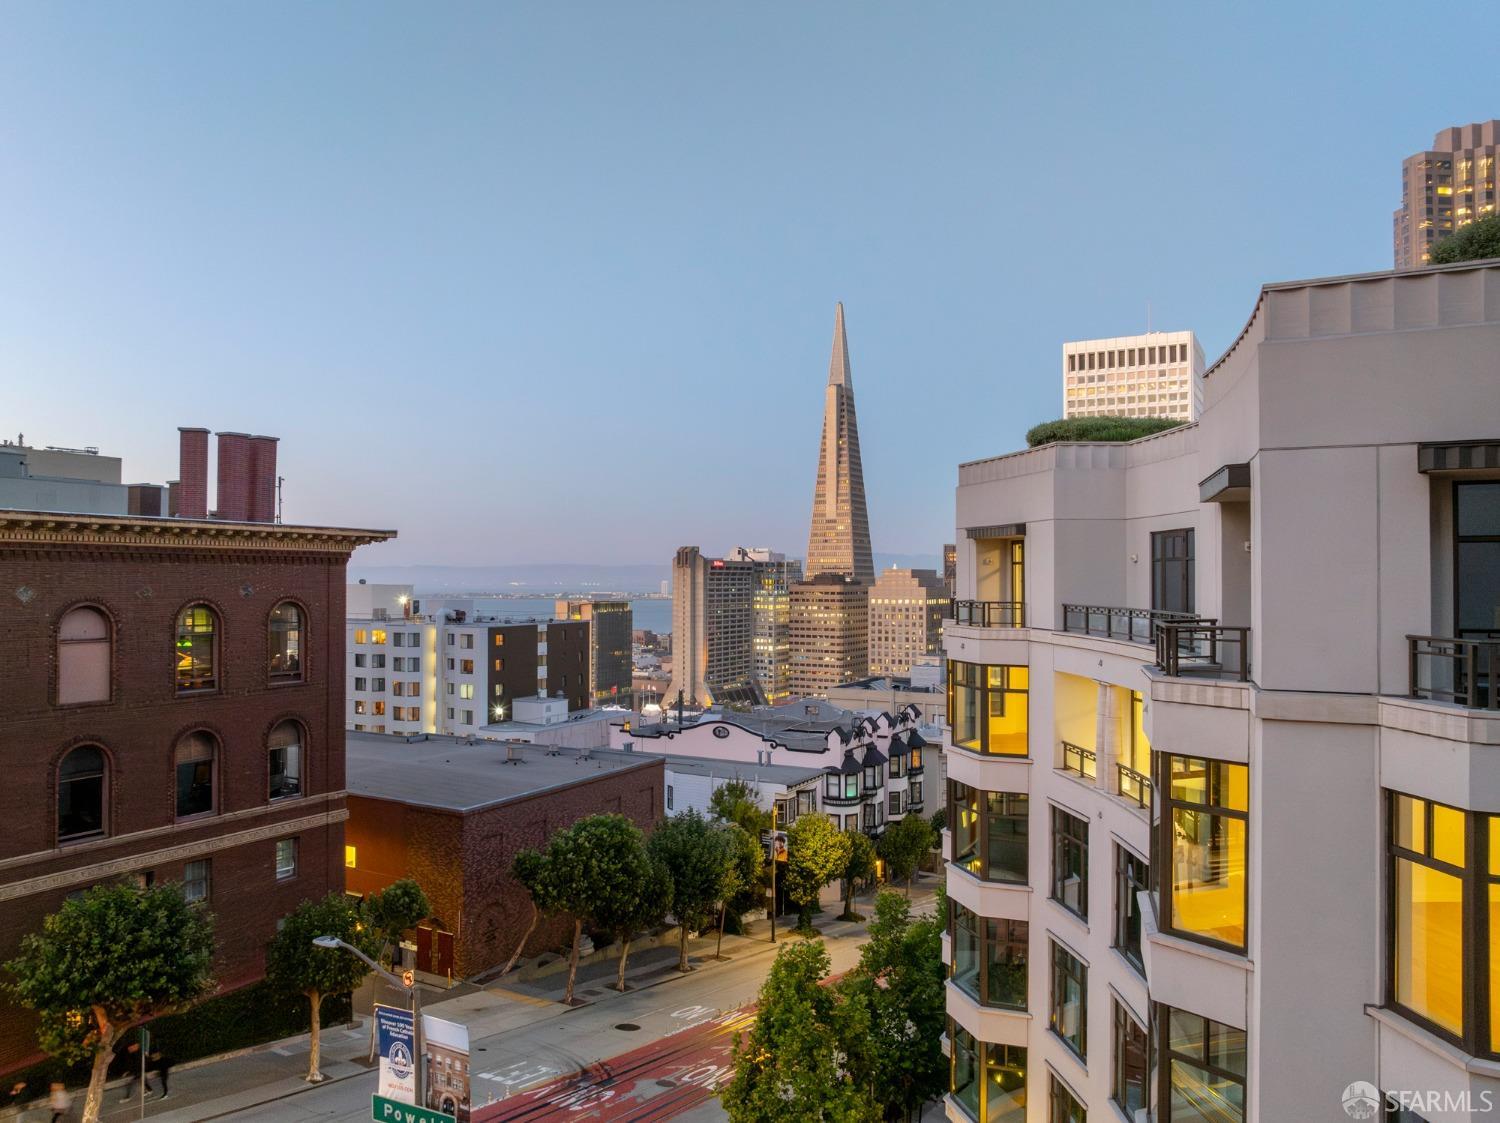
x,y
60,1102
128,1062
161,1064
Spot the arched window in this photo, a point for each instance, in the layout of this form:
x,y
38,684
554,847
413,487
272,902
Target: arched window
x,y
80,793
284,750
286,642
194,759
197,649
83,657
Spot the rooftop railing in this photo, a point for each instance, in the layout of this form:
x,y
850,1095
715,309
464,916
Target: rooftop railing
x,y
1212,650
1134,625
989,613
1449,669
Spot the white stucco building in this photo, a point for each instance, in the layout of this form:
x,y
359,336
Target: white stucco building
x,y
1226,792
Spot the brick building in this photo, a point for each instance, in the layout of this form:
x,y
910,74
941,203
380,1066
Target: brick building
x,y
453,814
173,711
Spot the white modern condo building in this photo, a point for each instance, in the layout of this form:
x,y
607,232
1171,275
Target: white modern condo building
x,y
1224,768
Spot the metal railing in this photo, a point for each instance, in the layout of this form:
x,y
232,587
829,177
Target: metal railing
x,y
1135,625
1461,671
1215,650
988,613
1076,758
1134,785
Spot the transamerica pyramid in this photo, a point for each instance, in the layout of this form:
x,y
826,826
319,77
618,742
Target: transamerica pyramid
x,y
839,541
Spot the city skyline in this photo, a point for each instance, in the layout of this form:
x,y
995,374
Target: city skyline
x,y
531,244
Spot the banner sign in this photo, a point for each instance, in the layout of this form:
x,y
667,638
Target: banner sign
x,y
383,1110
396,1038
447,1046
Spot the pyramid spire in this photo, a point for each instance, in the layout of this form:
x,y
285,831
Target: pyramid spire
x,y
839,539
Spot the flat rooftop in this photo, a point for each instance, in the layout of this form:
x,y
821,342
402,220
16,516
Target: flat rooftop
x,y
787,775
454,774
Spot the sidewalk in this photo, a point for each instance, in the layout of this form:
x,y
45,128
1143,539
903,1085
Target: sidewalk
x,y
213,1087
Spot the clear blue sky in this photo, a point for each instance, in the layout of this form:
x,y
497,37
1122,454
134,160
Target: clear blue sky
x,y
555,281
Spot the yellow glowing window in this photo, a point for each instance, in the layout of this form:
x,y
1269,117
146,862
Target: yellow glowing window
x,y
350,857
377,635
361,636
1444,189
1207,803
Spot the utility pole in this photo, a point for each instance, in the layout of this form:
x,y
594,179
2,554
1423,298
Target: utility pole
x,y
773,871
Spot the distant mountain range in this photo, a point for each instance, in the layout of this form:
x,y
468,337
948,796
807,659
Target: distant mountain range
x,y
558,577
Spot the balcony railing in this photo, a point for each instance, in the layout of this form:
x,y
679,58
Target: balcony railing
x,y
1134,785
989,613
1135,625
1085,762
1461,671
1214,650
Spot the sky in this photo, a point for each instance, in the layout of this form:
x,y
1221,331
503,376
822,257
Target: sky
x,y
540,282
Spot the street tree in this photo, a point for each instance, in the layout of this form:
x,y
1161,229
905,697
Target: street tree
x,y
904,845
600,874
112,957
859,867
391,911
742,871
531,869
817,852
899,983
297,966
795,1065
693,852
734,802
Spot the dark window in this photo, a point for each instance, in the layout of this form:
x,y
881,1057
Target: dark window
x,y
286,642
1128,1072
1070,862
195,880
80,793
1477,561
989,957
1131,879
989,832
1070,994
285,760
1064,1108
1172,571
195,775
1202,1072
197,649
83,657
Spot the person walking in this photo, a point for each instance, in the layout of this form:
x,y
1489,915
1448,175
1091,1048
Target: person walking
x,y
60,1102
161,1064
128,1064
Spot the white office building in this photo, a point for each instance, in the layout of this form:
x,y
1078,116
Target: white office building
x,y
1224,800
1153,375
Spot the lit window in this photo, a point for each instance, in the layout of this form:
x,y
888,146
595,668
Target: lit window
x,y
1205,1068
285,657
197,641
1204,832
284,756
377,635
351,856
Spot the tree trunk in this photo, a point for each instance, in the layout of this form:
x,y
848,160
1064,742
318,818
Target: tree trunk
x,y
719,945
624,951
315,1001
530,928
682,963
908,883
573,962
93,1104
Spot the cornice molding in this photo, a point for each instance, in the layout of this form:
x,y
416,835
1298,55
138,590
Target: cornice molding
x,y
41,528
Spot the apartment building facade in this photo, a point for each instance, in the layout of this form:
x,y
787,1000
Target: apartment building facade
x,y
1151,375
611,625
1448,186
1224,795
907,607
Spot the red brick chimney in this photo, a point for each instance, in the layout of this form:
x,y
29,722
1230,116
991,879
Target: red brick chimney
x,y
234,477
192,491
262,479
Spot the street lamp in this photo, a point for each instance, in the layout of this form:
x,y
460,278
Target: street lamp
x,y
407,980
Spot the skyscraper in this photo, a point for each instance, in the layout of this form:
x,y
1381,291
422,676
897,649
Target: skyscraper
x,y
771,656
611,623
906,618
1448,186
830,621
712,623
839,540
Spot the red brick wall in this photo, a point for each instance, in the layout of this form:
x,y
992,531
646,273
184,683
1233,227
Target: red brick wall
x,y
143,590
232,500
192,486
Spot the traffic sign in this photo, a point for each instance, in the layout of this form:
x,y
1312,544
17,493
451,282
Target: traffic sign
x,y
383,1110
408,979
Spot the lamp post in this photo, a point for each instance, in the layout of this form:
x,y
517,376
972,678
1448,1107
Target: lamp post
x,y
773,870
407,980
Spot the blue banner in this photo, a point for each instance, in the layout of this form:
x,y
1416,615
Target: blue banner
x,y
396,1038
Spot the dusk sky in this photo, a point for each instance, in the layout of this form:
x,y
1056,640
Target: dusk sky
x,y
556,282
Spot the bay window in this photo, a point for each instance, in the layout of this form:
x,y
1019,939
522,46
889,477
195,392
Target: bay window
x,y
1202,1069
989,832
1202,832
987,707
989,957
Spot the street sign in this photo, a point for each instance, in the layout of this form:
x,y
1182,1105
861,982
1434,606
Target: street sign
x,y
383,1110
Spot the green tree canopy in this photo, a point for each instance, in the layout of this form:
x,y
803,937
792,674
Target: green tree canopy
x,y
817,852
743,887
112,957
899,982
734,802
297,966
531,869
1097,429
1474,242
694,854
904,845
859,867
795,1065
391,911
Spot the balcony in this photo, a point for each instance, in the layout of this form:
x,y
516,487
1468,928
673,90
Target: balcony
x,y
1211,650
1460,671
1080,761
1134,785
1134,625
988,613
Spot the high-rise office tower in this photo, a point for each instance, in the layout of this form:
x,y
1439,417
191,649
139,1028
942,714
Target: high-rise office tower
x,y
906,618
829,633
771,642
839,541
611,623
1448,186
712,621
1151,375
950,566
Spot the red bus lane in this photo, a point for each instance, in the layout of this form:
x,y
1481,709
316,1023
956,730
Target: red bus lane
x,y
655,1081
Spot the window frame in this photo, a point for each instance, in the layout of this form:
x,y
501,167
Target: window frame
x,y
1186,590
292,871
1160,868
216,647
984,814
104,777
215,752
1164,1055
207,880
990,933
1060,843
108,641
301,770
1126,892
1123,1020
983,689
1063,965
1062,1104
299,633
